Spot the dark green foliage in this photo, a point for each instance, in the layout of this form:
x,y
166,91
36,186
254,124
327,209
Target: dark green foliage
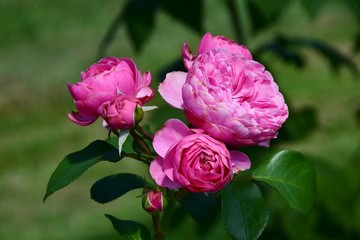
x,y
114,186
293,175
244,210
139,16
129,230
75,164
288,49
201,206
265,13
300,124
188,12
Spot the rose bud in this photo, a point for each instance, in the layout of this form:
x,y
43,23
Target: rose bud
x,y
154,201
122,112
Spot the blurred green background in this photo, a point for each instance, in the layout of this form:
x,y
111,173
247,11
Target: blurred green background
x,y
45,44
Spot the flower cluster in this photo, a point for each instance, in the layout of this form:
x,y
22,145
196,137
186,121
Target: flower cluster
x,y
230,102
229,99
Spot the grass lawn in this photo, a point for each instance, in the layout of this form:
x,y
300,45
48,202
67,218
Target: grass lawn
x,y
45,44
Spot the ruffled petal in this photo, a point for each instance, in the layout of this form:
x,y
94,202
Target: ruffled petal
x,y
209,42
187,55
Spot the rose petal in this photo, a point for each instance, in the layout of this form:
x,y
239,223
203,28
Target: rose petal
x,y
187,55
145,94
81,119
209,42
265,143
172,132
79,90
240,161
159,176
171,88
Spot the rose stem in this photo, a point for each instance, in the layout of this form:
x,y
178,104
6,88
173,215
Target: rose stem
x,y
136,157
165,222
144,132
158,233
141,142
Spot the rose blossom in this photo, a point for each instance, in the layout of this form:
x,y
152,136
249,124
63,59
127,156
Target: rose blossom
x,y
191,159
102,82
227,94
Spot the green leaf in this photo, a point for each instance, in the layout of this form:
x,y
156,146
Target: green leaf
x,y
288,48
293,175
357,43
299,125
126,147
244,210
202,207
265,13
280,47
75,164
335,58
114,186
139,16
312,7
129,230
190,16
354,6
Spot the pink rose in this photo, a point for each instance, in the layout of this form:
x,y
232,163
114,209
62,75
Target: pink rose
x,y
121,112
191,159
102,82
231,97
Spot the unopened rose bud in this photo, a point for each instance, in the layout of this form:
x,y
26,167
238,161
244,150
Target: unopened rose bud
x,y
122,112
154,201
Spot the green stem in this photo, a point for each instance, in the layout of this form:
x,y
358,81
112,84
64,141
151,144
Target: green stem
x,y
173,198
159,235
116,132
165,221
144,132
141,142
136,157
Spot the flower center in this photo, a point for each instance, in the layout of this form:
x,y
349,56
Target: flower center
x,y
205,162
